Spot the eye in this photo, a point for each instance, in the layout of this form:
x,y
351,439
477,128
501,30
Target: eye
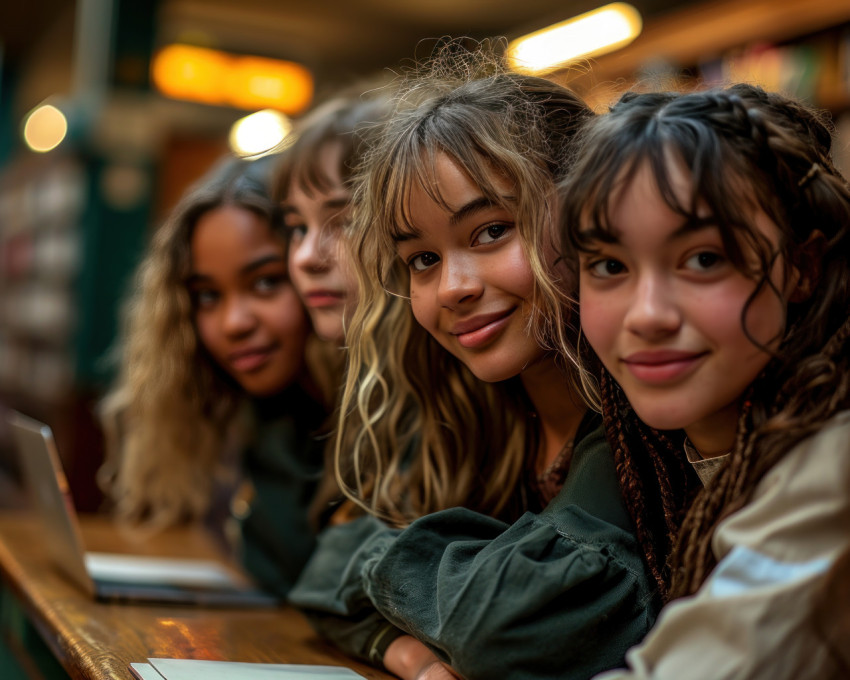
x,y
338,220
204,298
269,283
705,260
295,232
422,261
492,233
605,268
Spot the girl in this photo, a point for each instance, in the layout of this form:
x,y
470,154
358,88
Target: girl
x,y
313,187
715,290
460,408
213,370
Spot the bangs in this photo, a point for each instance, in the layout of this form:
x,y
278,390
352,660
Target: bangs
x,y
305,169
416,167
720,189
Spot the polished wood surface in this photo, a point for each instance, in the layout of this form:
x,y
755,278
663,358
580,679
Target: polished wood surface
x,y
95,641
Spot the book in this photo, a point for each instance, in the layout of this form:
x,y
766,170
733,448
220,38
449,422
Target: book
x,y
193,669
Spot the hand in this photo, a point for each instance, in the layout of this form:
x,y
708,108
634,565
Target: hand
x,y
437,670
410,659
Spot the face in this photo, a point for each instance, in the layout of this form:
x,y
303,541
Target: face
x,y
318,263
247,312
470,281
662,307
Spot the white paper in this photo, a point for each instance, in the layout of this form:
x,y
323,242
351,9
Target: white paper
x,y
191,669
144,671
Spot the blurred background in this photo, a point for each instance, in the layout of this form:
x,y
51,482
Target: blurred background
x,y
110,108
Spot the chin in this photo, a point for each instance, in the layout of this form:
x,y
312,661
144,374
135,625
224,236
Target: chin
x,y
329,329
490,374
661,419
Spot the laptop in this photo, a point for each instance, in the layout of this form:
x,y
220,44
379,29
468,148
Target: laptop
x,y
108,576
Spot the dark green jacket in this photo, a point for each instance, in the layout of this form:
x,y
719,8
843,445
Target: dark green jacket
x,y
285,466
559,594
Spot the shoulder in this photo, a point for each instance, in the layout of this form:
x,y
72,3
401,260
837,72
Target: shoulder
x,y
592,484
801,507
821,461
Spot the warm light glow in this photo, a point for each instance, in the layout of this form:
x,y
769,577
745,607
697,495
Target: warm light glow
x,y
193,73
255,83
214,77
44,128
602,30
259,133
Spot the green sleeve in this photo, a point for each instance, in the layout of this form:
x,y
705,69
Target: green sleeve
x,y
331,594
562,594
284,467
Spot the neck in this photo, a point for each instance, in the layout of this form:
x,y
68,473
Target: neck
x,y
311,387
559,410
715,436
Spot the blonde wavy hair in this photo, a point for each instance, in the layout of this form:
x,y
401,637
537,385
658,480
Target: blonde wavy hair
x,y
174,415
417,431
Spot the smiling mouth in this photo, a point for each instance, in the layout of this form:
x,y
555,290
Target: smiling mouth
x,y
481,330
251,360
663,366
324,298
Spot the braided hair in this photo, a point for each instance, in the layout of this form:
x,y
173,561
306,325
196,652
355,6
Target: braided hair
x,y
745,149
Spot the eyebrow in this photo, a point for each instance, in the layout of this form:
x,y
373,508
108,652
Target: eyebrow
x,y
474,206
259,263
688,227
334,203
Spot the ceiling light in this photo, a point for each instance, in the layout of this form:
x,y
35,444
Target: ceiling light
x,y
243,81
44,128
596,32
259,133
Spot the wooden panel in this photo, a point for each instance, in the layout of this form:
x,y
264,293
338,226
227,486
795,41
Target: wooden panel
x,y
96,641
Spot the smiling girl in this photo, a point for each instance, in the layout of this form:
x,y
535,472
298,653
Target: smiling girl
x,y
715,290
460,413
213,378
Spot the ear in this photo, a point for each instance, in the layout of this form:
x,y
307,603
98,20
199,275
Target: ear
x,y
806,268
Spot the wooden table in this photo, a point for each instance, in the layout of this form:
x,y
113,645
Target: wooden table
x,y
94,641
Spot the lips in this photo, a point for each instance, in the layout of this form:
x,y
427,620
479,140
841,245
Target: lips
x,y
323,298
661,366
251,359
481,329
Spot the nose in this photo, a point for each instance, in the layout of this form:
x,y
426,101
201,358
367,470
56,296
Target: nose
x,y
238,317
459,282
313,253
653,311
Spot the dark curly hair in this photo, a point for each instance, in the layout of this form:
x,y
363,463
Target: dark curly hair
x,y
744,148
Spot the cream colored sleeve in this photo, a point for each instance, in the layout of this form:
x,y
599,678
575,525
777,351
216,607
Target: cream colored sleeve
x,y
752,617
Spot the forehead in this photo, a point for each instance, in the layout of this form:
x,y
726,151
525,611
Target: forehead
x,y
227,233
316,170
447,180
661,179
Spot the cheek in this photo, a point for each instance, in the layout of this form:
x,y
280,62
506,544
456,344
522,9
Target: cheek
x,y
295,272
294,323
600,320
765,318
348,277
422,310
514,273
208,332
